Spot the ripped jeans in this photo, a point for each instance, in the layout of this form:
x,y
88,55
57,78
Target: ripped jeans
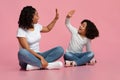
x,y
25,57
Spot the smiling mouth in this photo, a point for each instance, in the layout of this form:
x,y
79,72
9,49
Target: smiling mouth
x,y
80,29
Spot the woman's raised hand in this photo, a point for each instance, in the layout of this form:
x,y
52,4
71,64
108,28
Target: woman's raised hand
x,y
57,15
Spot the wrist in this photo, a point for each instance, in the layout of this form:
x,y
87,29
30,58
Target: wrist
x,y
68,16
40,57
55,19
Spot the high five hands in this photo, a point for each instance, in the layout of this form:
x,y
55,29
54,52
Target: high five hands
x,y
69,15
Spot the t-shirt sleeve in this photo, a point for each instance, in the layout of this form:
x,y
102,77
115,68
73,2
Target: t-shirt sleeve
x,y
21,33
39,27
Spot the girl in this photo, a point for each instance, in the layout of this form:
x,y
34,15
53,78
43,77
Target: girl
x,y
79,38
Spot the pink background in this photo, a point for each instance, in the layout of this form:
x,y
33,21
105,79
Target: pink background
x,y
104,13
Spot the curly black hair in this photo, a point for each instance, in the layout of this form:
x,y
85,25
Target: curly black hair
x,y
26,16
91,29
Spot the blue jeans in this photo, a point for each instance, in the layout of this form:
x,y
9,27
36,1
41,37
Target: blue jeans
x,y
25,57
79,58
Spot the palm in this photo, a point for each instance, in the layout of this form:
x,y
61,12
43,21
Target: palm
x,y
71,13
44,63
57,14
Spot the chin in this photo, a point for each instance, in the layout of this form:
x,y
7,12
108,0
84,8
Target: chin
x,y
35,22
79,33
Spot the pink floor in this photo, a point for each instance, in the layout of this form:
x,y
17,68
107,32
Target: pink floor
x,y
103,70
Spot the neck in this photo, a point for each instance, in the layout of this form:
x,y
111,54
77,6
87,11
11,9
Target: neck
x,y
31,29
83,35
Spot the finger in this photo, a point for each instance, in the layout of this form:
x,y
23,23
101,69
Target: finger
x,y
73,11
56,10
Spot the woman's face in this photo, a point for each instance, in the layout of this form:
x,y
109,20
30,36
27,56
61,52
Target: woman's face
x,y
35,17
82,28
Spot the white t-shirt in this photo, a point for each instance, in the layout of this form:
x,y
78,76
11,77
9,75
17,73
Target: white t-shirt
x,y
77,42
32,37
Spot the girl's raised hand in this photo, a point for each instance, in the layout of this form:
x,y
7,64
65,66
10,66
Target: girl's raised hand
x,y
69,15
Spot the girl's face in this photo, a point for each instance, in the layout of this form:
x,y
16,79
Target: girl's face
x,y
35,17
82,28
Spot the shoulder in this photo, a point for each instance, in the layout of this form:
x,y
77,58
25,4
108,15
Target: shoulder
x,y
21,32
88,40
38,26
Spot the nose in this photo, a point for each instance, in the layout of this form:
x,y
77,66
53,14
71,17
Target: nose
x,y
81,27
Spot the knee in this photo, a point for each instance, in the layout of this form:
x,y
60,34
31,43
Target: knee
x,y
22,52
60,50
91,55
67,55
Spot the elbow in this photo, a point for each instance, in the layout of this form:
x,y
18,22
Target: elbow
x,y
25,47
48,29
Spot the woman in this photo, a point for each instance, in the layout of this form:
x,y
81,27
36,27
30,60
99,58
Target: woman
x,y
87,31
28,35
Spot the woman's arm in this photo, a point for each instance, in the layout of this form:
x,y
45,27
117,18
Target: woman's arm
x,y
25,45
51,25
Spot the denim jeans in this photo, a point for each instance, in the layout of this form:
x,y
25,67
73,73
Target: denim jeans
x,y
25,57
79,58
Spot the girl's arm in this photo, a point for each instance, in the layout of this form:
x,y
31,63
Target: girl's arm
x,y
51,25
88,46
67,22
